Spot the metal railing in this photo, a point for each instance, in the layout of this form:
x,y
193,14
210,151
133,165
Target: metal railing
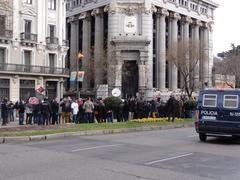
x,y
21,68
28,37
6,33
52,40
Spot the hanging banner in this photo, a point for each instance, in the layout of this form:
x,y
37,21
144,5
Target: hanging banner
x,y
40,90
73,76
80,76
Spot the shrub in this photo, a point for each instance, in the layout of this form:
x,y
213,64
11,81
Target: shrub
x,y
112,103
190,105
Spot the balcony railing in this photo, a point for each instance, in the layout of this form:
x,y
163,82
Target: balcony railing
x,y
52,40
28,37
65,43
6,33
21,68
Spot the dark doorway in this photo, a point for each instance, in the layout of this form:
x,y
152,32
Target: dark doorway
x,y
27,89
51,88
129,79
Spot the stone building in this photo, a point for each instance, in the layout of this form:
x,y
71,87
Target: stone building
x,y
32,47
134,36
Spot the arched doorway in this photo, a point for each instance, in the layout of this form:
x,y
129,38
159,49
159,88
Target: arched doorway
x,y
129,79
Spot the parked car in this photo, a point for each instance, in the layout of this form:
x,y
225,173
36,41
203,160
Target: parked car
x,y
218,113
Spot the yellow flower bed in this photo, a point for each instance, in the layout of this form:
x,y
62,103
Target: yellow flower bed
x,y
145,120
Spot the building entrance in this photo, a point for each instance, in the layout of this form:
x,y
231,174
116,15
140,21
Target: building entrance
x,y
51,88
129,79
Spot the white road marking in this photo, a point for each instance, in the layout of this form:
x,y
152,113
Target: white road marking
x,y
96,147
167,159
193,136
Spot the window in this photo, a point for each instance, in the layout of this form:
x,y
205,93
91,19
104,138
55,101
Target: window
x,y
28,1
194,6
230,101
51,62
52,4
27,57
27,26
27,89
209,100
183,3
52,30
4,88
27,60
203,10
2,55
2,24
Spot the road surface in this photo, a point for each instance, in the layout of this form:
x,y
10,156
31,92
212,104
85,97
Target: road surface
x,y
156,155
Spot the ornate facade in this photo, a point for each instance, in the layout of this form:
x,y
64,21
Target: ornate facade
x,y
136,36
32,47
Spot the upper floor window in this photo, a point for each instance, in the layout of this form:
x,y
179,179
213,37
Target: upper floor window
x,y
2,24
27,1
52,4
52,30
27,26
183,3
2,55
203,10
194,6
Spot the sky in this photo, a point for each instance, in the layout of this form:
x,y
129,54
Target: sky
x,y
226,25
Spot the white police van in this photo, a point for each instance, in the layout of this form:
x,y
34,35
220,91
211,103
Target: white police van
x,y
218,113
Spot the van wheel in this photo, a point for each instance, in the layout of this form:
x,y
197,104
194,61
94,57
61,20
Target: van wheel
x,y
202,137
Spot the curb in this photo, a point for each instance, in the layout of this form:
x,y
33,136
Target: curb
x,y
89,133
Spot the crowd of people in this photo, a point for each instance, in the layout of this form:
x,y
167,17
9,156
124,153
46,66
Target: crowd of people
x,y
66,110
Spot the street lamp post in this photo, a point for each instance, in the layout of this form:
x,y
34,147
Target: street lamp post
x,y
79,57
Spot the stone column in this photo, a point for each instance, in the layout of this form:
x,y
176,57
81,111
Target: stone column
x,y
147,31
73,50
60,22
113,19
98,47
142,84
161,49
118,70
205,55
86,46
210,52
196,50
174,45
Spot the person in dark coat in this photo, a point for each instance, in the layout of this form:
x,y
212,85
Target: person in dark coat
x,y
21,110
4,112
55,110
102,111
37,114
171,107
125,111
46,111
140,108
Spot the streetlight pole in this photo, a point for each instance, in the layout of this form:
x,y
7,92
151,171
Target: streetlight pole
x,y
79,57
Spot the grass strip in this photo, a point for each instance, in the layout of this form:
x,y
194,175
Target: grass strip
x,y
88,127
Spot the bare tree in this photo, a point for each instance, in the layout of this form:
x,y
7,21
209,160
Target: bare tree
x,y
230,64
187,59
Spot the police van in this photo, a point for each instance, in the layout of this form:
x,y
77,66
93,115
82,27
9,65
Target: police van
x,y
218,113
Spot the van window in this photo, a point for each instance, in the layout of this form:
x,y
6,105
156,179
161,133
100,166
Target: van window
x,y
209,100
230,101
